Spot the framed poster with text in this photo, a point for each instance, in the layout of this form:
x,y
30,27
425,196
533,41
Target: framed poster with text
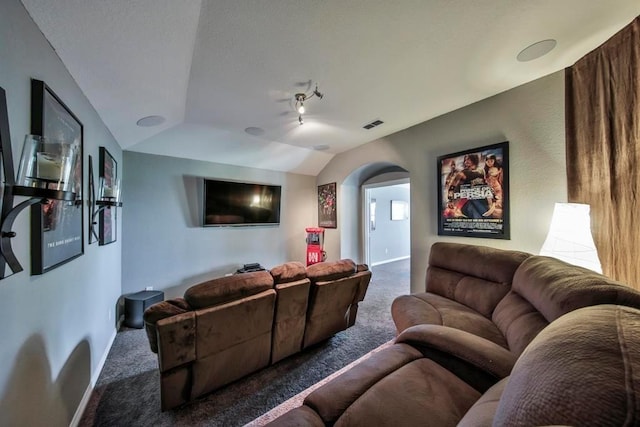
x,y
56,226
473,192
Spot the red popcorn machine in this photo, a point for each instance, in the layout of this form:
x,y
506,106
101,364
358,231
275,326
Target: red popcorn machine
x,y
315,245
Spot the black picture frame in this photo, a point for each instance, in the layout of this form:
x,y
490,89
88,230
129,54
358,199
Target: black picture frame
x,y
327,206
473,192
107,218
57,234
7,177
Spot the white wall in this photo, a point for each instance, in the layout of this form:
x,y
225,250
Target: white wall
x,y
55,327
164,244
530,117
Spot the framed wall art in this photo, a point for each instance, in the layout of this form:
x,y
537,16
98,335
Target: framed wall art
x,y
107,218
473,192
399,210
56,226
327,206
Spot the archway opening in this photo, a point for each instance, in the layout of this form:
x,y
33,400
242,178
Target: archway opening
x,y
376,221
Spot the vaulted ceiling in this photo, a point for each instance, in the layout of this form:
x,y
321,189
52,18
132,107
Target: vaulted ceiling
x,y
224,73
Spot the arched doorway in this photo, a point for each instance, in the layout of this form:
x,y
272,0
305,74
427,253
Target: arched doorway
x,y
387,225
392,251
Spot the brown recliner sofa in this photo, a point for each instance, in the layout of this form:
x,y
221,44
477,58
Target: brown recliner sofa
x,y
579,371
226,328
462,337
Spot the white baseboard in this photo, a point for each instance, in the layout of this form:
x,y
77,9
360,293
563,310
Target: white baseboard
x,y
386,261
75,421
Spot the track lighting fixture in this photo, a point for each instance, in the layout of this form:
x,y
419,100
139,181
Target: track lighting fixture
x,y
300,100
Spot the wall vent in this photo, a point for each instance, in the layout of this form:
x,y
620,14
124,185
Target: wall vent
x,y
373,124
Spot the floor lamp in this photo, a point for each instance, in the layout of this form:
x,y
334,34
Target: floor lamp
x,y
569,237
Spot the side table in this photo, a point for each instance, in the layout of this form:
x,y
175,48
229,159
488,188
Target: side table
x,y
135,304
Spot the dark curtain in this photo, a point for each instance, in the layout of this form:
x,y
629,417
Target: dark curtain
x,y
603,148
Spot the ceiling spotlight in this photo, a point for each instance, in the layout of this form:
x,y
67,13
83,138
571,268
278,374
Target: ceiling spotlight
x,y
301,98
301,108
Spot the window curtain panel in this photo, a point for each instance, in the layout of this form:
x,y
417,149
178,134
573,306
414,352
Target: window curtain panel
x,y
602,107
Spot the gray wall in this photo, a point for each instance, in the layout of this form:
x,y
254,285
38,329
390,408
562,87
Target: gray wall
x,y
391,240
530,117
57,327
165,246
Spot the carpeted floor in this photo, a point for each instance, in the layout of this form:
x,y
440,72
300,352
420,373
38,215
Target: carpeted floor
x,y
127,391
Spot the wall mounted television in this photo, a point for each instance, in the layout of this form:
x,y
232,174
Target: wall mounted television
x,y
230,203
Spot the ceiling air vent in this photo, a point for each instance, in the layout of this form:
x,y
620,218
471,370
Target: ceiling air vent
x,y
373,124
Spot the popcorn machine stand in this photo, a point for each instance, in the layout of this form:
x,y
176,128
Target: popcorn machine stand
x,y
315,245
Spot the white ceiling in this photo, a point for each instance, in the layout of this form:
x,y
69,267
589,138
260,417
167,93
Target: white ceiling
x,y
213,68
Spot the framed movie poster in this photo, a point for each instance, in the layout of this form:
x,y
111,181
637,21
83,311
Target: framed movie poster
x,y
56,226
327,206
473,192
107,220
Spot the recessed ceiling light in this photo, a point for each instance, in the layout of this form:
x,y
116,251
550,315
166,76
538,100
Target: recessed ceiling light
x,y
150,121
321,147
255,131
536,50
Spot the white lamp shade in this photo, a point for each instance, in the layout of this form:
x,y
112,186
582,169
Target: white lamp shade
x,y
569,237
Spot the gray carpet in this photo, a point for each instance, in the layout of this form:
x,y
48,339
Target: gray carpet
x,y
127,392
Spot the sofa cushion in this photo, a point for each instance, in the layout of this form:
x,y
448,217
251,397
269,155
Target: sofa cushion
x,y
333,398
480,294
555,288
476,276
288,272
331,270
519,321
289,319
420,393
232,340
580,370
482,412
428,308
228,288
329,308
491,264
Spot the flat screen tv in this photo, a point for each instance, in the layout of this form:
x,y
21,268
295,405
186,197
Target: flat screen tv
x,y
229,203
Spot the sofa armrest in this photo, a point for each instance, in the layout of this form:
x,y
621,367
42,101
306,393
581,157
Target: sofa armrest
x,y
477,361
160,311
176,340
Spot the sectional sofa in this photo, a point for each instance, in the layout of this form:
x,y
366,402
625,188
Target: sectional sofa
x,y
229,327
497,338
